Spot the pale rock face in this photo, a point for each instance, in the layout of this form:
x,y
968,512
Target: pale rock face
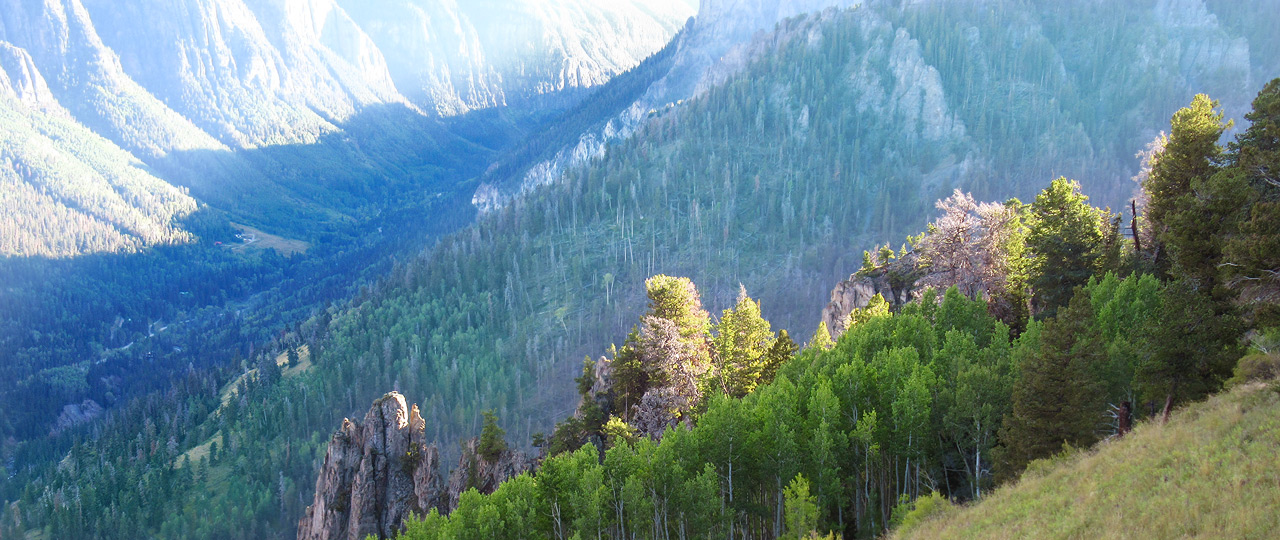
x,y
87,79
450,57
433,52
855,293
375,474
379,471
21,80
261,72
218,66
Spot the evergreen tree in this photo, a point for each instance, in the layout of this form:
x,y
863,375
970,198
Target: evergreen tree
x,y
676,299
1190,157
1252,257
782,350
1064,240
493,440
1190,348
1057,399
631,380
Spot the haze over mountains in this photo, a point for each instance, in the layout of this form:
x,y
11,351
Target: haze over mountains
x,y
1190,45
181,84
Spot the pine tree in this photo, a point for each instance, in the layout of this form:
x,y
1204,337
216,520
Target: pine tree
x,y
1185,228
782,350
493,440
1058,398
1191,349
631,380
1252,257
1064,239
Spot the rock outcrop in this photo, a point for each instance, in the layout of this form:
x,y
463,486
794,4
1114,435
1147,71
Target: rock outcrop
x,y
75,414
375,474
379,471
474,471
856,291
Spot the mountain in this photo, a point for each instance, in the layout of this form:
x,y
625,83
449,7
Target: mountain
x,y
1185,44
1202,473
199,89
836,131
183,180
451,57
712,47
67,189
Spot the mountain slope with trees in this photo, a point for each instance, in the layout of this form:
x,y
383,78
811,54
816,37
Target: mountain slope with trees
x,y
771,181
899,416
154,152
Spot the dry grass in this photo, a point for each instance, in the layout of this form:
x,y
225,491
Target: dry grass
x,y
1212,472
263,240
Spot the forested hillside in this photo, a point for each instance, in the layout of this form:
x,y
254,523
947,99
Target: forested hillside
x,y
176,170
941,398
841,134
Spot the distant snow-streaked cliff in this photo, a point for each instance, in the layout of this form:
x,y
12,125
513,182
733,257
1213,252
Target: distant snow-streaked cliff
x,y
171,89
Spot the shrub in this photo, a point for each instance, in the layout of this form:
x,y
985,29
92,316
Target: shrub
x,y
1256,367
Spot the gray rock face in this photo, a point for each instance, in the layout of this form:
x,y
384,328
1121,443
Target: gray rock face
x,y
146,73
379,471
474,471
74,414
21,80
855,293
375,474
451,57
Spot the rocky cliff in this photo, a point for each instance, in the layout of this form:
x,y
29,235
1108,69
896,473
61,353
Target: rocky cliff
x,y
375,474
379,471
475,471
1187,45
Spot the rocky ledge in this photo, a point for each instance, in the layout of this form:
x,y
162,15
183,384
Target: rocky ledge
x,y
379,471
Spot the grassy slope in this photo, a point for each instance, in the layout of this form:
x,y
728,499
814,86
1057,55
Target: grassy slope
x,y
1210,473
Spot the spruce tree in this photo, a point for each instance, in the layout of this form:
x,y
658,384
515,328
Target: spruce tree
x,y
493,440
1191,349
1251,258
1065,239
1185,226
1058,398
